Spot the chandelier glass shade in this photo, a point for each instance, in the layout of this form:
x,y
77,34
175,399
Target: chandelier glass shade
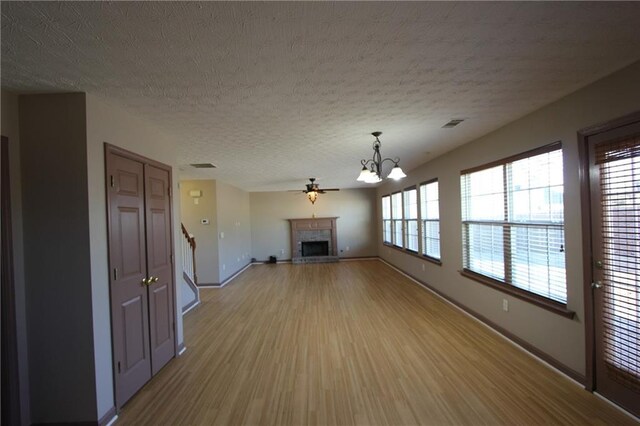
x,y
372,169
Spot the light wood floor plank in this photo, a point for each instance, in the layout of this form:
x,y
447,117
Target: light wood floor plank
x,y
351,343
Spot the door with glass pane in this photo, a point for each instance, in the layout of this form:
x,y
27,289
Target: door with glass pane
x,y
615,229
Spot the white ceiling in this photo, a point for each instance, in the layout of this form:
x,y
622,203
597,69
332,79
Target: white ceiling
x,y
274,93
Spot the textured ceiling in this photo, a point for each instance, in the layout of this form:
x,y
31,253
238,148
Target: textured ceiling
x,y
273,93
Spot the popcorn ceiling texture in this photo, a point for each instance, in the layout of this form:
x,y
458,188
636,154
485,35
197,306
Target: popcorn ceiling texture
x,y
273,93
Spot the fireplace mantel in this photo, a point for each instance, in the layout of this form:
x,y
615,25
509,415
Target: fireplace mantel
x,y
314,229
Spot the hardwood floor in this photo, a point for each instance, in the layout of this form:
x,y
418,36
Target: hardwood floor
x,y
350,343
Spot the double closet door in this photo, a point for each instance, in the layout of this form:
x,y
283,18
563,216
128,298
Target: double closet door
x,y
141,269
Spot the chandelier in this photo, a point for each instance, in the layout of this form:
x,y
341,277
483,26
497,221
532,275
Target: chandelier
x,y
372,169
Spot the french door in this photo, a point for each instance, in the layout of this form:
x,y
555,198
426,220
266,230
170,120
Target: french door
x,y
614,186
140,261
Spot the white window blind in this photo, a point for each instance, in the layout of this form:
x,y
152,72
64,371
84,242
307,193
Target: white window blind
x,y
513,223
396,218
430,216
410,197
386,219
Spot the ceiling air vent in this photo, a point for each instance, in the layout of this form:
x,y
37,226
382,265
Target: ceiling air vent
x,y
203,166
452,123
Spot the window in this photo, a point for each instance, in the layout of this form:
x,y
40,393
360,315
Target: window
x,y
386,219
396,218
410,197
513,222
430,216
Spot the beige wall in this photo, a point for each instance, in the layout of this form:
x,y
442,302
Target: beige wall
x,y
107,123
11,129
561,338
234,222
223,246
206,235
270,229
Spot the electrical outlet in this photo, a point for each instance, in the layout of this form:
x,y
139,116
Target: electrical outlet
x,y
347,248
423,268
505,305
224,266
282,252
238,259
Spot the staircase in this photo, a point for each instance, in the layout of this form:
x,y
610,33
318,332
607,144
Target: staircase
x,y
190,292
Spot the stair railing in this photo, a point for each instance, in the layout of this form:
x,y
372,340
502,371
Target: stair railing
x,y
189,255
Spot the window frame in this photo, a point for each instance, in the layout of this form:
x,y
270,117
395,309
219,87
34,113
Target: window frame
x,y
503,286
395,221
384,220
422,220
406,220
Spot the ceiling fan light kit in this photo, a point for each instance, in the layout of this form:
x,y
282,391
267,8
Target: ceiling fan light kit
x,y
372,169
313,190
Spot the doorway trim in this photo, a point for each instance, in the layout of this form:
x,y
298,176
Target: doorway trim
x,y
11,401
112,149
585,206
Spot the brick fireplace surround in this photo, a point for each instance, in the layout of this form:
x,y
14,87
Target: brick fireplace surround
x,y
315,229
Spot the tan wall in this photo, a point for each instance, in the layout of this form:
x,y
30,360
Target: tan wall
x,y
270,229
206,235
11,129
561,338
107,123
234,249
65,245
57,258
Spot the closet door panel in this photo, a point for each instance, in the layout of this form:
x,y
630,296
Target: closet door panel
x,y
127,259
159,261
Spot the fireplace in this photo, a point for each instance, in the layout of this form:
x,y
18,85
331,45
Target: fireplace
x,y
315,248
314,240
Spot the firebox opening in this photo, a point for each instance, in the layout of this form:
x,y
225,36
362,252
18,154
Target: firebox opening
x,y
315,248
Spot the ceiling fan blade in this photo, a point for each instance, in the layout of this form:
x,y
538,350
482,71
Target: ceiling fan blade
x,y
330,189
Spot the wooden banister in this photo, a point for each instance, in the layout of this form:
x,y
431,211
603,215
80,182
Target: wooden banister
x,y
188,237
192,245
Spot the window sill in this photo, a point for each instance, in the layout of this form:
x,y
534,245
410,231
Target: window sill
x,y
414,254
549,305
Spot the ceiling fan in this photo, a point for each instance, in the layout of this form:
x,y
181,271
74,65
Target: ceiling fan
x,y
313,190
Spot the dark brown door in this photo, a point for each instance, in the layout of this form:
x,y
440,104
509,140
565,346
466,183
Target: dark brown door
x,y
615,228
141,262
127,256
158,211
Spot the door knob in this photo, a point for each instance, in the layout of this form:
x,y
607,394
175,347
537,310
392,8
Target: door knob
x,y
596,284
153,280
145,281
